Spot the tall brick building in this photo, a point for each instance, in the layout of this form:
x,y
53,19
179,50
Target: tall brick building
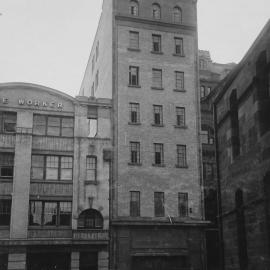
x,y
145,57
210,73
54,179
242,110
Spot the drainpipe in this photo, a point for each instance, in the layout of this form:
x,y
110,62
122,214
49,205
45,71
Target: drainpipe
x,y
220,222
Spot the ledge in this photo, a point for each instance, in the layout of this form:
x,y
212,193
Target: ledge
x,y
156,125
178,55
180,90
134,86
181,167
159,165
134,164
153,52
181,127
134,124
157,88
89,182
133,50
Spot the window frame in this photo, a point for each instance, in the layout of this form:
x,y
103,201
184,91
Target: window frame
x,y
91,169
181,156
158,149
156,11
180,112
156,43
134,107
5,217
135,155
134,38
134,6
6,117
159,212
179,51
157,81
137,71
7,156
179,81
183,204
175,14
135,205
158,110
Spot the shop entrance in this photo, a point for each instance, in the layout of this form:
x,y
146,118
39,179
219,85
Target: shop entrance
x,y
159,263
48,261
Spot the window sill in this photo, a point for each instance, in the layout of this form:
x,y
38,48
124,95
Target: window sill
x,y
4,227
157,88
181,167
51,227
134,86
158,165
156,125
6,179
133,49
181,127
43,181
180,90
178,55
134,124
134,164
90,182
153,52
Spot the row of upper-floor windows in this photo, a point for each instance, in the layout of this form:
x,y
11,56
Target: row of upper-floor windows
x,y
42,124
156,11
158,154
49,167
157,79
135,115
159,204
134,43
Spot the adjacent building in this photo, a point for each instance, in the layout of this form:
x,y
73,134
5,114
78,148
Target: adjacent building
x,y
145,57
54,179
210,74
242,109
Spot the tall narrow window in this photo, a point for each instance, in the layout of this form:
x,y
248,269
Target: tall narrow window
x,y
180,117
66,168
203,94
158,115
159,204
133,76
179,49
8,122
91,168
183,204
5,211
177,15
158,154
235,140
65,213
134,113
156,39
135,153
134,8
134,203
179,80
156,11
6,165
133,40
157,78
181,156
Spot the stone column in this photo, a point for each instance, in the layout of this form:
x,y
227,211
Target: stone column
x,y
75,260
17,261
103,260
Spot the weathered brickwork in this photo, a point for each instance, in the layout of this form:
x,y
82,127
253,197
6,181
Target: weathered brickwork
x,y
243,160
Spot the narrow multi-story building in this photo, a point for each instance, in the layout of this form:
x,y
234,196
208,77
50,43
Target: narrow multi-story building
x,y
145,57
242,109
210,74
54,179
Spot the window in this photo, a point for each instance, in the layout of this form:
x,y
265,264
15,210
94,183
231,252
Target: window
x,y
96,80
91,168
180,117
90,219
207,135
203,64
181,156
133,76
156,39
134,8
46,213
8,122
157,78
6,165
177,15
179,80
134,203
135,153
183,204
158,115
159,204
53,125
158,154
134,113
52,167
208,171
203,94
133,40
5,211
156,11
179,50
4,261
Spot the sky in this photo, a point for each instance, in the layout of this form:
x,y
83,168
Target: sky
x,y
48,42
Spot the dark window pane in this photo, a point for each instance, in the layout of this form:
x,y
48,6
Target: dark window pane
x,y
135,152
159,155
35,217
183,204
5,211
159,204
65,214
6,164
50,213
134,203
9,122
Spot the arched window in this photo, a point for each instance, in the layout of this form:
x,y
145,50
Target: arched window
x,y
90,219
156,11
177,15
134,8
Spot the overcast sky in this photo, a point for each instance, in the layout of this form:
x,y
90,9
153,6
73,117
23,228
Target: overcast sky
x,y
48,41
